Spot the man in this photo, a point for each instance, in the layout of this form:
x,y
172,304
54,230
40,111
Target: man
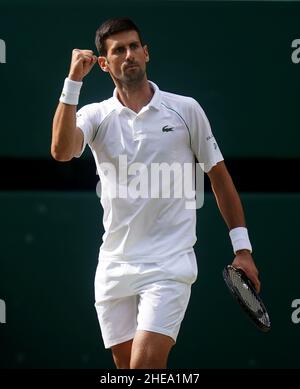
x,y
147,262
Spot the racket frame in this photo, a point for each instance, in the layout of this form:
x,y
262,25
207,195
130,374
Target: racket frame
x,y
250,313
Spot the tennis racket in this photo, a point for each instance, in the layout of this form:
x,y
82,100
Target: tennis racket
x,y
243,290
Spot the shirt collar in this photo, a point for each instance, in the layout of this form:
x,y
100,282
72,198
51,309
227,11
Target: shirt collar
x,y
153,103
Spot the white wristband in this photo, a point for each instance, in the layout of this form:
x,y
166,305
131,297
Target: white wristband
x,y
240,239
70,92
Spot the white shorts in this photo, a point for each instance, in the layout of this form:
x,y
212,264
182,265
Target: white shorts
x,y
143,296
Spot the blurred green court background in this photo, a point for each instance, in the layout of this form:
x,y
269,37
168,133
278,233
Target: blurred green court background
x,y
235,59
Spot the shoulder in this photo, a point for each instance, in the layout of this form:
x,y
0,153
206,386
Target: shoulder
x,y
179,102
97,111
184,105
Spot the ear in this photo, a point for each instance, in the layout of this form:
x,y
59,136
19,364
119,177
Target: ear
x,y
102,61
146,52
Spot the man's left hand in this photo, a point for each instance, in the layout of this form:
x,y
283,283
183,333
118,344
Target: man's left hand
x,y
243,260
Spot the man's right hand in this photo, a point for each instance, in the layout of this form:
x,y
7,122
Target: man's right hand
x,y
81,64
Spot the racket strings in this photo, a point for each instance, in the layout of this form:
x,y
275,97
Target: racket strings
x,y
248,297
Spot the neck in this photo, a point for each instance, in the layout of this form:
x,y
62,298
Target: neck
x,y
135,96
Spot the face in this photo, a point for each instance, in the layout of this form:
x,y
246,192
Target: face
x,y
126,58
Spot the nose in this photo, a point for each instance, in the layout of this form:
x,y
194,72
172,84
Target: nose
x,y
129,54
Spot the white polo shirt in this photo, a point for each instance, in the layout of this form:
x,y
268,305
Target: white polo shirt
x,y
170,129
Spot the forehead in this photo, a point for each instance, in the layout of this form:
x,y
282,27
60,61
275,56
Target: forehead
x,y
121,38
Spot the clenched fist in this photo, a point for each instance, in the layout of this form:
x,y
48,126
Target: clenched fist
x,y
81,63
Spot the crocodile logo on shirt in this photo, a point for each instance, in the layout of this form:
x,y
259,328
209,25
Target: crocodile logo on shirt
x,y
167,129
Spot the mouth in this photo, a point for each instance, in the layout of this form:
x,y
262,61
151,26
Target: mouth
x,y
131,66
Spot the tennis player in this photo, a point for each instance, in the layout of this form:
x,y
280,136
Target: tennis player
x,y
147,262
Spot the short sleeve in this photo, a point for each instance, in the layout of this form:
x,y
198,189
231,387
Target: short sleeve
x,y
87,120
203,142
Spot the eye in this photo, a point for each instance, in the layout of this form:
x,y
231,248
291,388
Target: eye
x,y
119,50
134,46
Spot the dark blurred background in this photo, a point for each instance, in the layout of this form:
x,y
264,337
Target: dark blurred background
x,y
235,58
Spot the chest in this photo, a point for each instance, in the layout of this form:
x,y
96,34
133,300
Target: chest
x,y
147,138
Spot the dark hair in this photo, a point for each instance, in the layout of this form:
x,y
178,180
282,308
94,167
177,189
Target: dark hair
x,y
110,27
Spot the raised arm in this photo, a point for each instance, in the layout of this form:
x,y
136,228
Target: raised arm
x,y
231,208
67,139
